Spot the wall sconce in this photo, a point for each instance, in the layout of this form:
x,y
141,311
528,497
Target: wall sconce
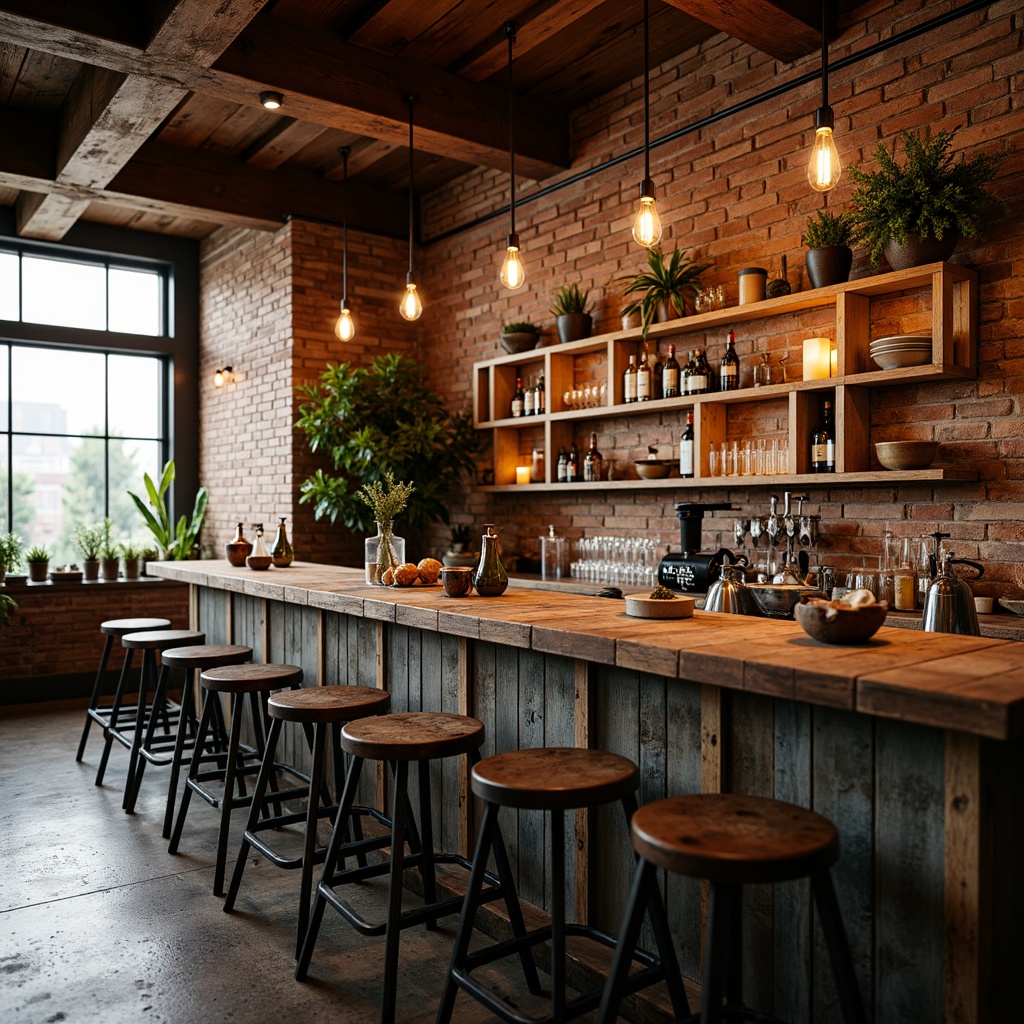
x,y
271,100
222,377
817,358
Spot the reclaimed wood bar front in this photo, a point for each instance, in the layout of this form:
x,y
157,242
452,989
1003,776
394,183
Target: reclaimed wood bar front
x,y
911,744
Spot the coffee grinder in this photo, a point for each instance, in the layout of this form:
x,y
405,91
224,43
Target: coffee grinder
x,y
691,570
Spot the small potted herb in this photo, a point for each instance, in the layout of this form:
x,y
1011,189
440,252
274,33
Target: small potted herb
x,y
667,285
10,554
571,310
916,213
829,238
38,560
110,556
89,540
519,336
132,555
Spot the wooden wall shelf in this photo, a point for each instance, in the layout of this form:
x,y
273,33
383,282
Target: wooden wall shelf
x,y
951,289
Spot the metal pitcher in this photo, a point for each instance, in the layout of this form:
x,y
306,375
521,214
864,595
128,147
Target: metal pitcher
x,y
949,603
730,594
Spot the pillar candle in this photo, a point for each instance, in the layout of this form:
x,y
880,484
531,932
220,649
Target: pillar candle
x,y
817,358
522,474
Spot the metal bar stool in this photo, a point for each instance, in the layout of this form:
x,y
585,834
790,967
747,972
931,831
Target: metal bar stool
x,y
320,710
554,779
419,736
176,751
239,760
734,841
111,629
126,723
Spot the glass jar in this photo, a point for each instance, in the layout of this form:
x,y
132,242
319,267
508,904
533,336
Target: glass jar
x,y
382,552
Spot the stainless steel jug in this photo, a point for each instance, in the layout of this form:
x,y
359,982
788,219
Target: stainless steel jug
x,y
949,603
729,594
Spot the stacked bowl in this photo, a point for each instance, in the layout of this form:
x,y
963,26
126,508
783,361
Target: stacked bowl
x,y
899,350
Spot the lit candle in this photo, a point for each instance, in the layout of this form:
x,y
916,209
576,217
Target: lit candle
x,y
817,358
522,474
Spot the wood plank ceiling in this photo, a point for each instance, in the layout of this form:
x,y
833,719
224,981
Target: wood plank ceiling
x,y
146,113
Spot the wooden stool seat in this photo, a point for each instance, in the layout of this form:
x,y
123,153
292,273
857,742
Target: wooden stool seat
x,y
205,656
118,627
739,839
555,778
162,639
235,678
412,736
326,704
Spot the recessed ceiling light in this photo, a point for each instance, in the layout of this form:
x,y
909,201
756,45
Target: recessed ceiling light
x,y
271,100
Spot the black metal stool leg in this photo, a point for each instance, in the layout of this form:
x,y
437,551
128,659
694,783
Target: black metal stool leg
x,y
711,988
427,840
838,948
185,718
148,669
557,915
228,800
309,839
734,948
393,931
159,695
193,770
94,699
115,714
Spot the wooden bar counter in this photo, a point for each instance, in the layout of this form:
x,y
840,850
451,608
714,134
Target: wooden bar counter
x,y
911,744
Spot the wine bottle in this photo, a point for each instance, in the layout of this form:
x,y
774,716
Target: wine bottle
x,y
729,373
701,372
657,384
572,469
686,448
518,399
562,476
688,371
592,462
539,401
643,378
823,448
629,381
670,375
528,399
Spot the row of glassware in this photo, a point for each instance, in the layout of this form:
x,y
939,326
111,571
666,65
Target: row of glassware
x,y
630,560
761,456
591,395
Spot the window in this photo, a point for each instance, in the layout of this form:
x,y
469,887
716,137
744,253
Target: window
x,y
79,423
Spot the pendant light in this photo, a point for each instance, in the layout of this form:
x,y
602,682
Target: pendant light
x,y
824,169
345,328
512,274
647,225
410,307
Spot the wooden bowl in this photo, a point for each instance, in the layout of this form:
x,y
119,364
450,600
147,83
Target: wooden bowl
x,y
653,469
906,454
850,626
643,607
519,341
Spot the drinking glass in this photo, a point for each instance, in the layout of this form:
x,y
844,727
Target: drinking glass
x,y
759,457
713,463
746,459
762,371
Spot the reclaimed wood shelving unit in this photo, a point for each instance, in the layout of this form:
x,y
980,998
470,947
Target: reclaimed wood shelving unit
x,y
949,290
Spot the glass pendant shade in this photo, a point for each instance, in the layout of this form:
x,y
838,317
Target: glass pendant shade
x,y
345,326
647,229
824,168
513,274
411,307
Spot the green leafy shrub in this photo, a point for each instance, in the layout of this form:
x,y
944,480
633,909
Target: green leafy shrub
x,y
571,299
829,230
174,541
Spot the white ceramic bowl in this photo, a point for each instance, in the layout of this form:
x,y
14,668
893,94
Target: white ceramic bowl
x,y
902,358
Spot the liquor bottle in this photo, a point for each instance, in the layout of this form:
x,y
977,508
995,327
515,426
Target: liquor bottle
x,y
686,448
539,399
643,378
592,462
823,448
528,398
729,373
572,469
698,379
629,381
518,399
688,371
670,374
657,383
562,476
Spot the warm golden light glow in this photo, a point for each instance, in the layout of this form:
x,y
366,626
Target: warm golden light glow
x,y
512,275
824,168
271,100
411,307
817,358
222,377
345,327
647,225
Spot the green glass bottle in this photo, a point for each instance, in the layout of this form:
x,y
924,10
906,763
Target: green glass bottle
x,y
282,553
490,578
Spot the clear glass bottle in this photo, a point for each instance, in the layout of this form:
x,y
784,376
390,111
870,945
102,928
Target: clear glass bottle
x,y
382,552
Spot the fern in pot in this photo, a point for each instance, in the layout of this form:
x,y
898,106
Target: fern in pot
x,y
829,238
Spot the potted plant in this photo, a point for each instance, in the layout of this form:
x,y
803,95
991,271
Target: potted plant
x,y
829,238
148,555
571,310
916,213
110,558
10,554
175,541
38,559
666,285
519,336
132,555
89,540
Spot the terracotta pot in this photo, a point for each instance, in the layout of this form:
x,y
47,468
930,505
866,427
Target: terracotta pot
x,y
915,253
37,571
91,569
573,326
830,265
109,568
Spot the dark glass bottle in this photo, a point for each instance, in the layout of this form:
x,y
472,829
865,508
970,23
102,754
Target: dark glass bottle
x,y
592,462
563,466
671,375
282,552
688,371
686,449
518,399
539,398
823,447
657,384
573,468
729,372
699,377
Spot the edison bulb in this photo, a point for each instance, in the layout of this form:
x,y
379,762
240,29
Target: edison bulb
x,y
512,274
345,328
647,225
824,169
410,306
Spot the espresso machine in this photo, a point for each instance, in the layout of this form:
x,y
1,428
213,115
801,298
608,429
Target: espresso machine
x,y
692,570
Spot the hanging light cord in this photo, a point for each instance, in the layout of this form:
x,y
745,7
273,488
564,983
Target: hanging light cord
x,y
344,226
410,100
647,100
510,32
824,53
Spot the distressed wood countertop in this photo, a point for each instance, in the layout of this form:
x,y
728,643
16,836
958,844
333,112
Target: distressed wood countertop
x,y
970,684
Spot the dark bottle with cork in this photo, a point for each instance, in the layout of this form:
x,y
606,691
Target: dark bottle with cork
x,y
592,462
823,447
729,372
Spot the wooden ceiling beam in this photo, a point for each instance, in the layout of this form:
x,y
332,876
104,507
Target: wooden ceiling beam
x,y
281,143
362,156
784,29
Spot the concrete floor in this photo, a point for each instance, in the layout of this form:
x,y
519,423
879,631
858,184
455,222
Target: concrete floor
x,y
100,925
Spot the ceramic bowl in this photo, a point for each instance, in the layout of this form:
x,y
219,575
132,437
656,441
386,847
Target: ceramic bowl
x,y
777,600
850,625
653,469
906,454
519,341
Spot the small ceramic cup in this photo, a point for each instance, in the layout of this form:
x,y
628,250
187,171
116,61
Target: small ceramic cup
x,y
457,580
984,605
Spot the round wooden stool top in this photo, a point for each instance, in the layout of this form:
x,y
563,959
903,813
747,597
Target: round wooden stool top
x,y
737,839
250,678
328,704
207,656
554,778
162,639
412,736
119,627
